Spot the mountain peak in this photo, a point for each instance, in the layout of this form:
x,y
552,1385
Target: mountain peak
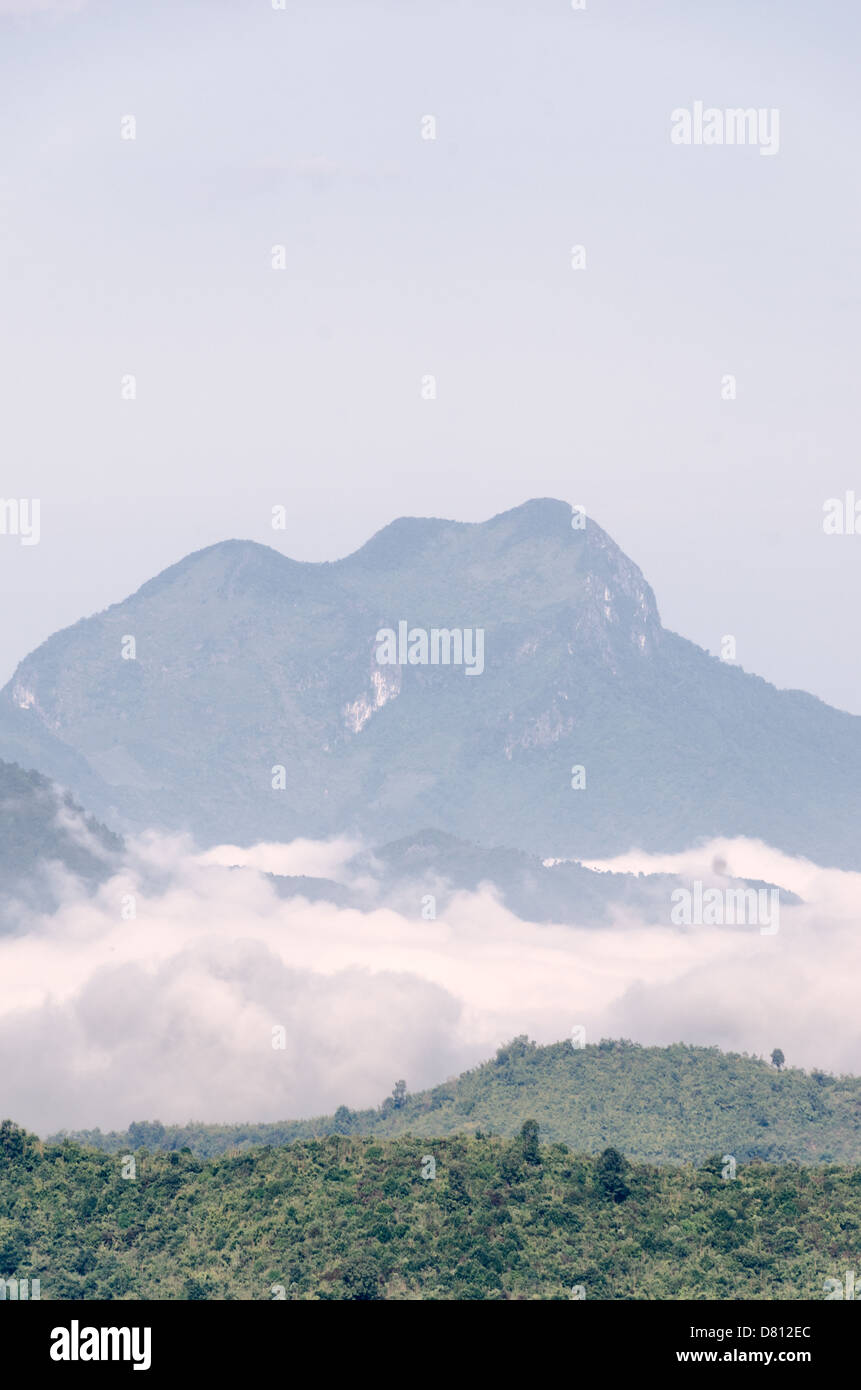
x,y
538,516
403,538
243,660
226,560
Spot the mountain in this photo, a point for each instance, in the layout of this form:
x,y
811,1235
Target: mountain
x,y
246,661
556,891
675,1104
44,836
462,1218
420,874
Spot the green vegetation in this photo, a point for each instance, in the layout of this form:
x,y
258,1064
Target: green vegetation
x,y
349,1218
674,1104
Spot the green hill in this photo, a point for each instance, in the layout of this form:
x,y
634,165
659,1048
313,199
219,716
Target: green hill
x,y
675,1104
346,1218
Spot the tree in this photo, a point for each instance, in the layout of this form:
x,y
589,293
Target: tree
x,y
609,1172
11,1141
361,1279
457,1182
529,1141
343,1120
399,1094
147,1134
777,1058
13,1252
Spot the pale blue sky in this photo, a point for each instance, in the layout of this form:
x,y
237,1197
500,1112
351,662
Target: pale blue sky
x,y
404,257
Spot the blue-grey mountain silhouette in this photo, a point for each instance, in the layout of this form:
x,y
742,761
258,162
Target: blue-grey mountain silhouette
x,y
247,661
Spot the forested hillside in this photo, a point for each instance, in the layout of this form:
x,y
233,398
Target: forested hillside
x,y
460,1218
674,1104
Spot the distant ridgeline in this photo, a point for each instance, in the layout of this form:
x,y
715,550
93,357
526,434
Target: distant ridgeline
x,y
396,875
677,1104
478,1217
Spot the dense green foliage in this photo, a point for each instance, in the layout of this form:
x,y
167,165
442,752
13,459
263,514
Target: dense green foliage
x,y
348,1218
656,1104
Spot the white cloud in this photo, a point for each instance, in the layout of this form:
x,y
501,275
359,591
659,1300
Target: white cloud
x,y
316,858
170,1015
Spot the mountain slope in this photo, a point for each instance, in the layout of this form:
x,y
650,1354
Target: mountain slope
x,y
674,1104
350,1219
420,874
43,831
432,862
248,661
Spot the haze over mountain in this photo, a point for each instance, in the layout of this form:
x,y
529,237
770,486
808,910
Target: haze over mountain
x,y
247,661
45,839
419,875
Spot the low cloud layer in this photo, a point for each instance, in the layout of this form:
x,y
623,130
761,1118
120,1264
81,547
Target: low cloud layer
x,y
170,1013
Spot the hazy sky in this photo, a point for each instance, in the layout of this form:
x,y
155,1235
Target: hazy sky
x,y
302,127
